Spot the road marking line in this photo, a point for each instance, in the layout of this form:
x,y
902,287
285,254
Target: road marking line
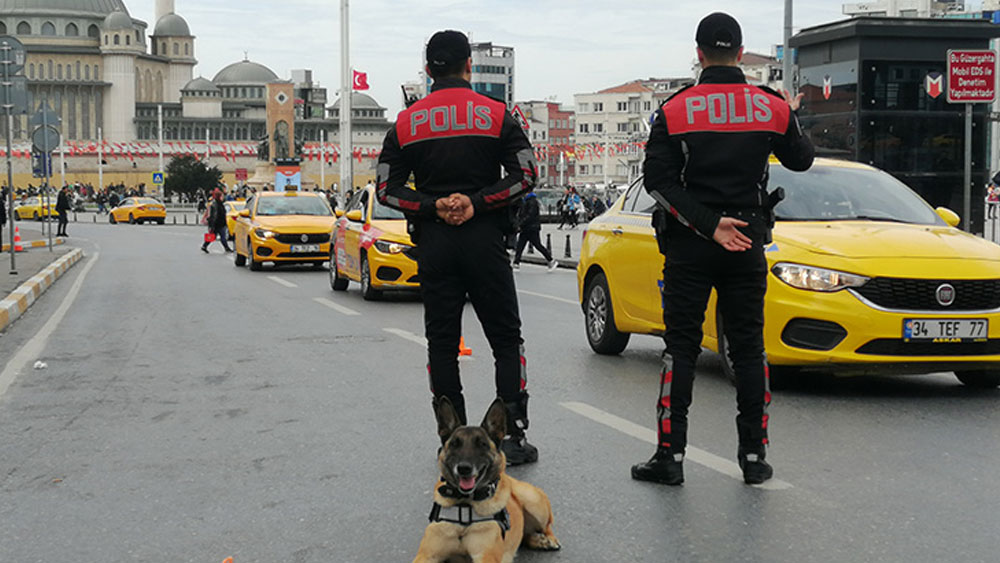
x,y
280,281
407,335
34,347
336,307
696,455
544,296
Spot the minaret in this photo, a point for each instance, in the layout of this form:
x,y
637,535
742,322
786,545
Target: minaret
x,y
120,48
163,7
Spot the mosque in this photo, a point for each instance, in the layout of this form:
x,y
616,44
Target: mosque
x,y
107,75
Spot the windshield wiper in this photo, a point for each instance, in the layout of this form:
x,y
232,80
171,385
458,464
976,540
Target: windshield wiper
x,y
874,218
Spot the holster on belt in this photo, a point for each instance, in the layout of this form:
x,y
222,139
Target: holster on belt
x,y
661,226
773,199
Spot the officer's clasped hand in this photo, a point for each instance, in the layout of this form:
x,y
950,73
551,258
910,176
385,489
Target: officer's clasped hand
x,y
793,102
729,237
455,209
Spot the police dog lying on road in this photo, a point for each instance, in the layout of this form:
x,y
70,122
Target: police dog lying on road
x,y
479,511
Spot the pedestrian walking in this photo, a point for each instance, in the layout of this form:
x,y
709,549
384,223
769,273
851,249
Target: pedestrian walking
x,y
216,222
62,208
712,224
455,141
993,197
530,220
3,212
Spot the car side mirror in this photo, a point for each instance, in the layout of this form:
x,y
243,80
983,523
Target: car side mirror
x,y
338,212
244,212
354,215
949,216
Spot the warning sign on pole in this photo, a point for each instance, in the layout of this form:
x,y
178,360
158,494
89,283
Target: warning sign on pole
x,y
972,76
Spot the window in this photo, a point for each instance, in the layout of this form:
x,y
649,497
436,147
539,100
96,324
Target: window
x,y
59,72
177,48
582,169
72,30
77,74
163,48
623,106
128,39
187,49
3,28
24,28
623,127
598,107
647,106
598,169
31,71
48,29
118,39
584,108
97,74
584,128
86,72
93,31
598,128
41,72
552,124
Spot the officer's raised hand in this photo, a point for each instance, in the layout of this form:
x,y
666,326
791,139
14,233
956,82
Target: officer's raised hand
x,y
793,102
727,235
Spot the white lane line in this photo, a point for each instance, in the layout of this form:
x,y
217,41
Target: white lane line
x,y
280,281
545,296
407,335
33,348
336,307
701,457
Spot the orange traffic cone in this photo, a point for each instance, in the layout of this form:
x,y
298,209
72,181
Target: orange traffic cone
x,y
227,560
17,240
462,350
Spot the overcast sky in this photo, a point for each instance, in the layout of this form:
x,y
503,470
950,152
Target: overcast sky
x,y
561,47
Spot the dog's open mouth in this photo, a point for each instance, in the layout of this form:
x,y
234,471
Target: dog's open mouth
x,y
467,484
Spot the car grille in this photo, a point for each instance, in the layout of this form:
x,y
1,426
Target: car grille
x,y
303,255
297,239
921,295
899,347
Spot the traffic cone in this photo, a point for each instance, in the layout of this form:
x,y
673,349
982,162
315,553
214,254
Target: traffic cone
x,y
462,350
17,240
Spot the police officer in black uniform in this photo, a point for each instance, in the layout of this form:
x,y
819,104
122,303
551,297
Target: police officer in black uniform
x,y
455,142
707,167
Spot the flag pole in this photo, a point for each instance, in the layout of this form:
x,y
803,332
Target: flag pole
x,y
346,87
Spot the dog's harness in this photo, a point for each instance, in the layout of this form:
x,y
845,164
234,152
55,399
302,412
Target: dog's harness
x,y
462,513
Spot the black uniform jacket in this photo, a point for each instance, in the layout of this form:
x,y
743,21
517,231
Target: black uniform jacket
x,y
709,146
455,141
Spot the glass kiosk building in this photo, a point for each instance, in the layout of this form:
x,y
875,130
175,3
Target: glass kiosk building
x,y
872,95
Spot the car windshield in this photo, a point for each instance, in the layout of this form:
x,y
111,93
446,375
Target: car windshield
x,y
293,205
146,201
830,193
381,212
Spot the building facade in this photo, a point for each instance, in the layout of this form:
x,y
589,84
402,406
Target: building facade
x,y
551,130
492,74
905,8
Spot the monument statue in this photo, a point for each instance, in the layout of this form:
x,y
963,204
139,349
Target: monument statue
x,y
263,149
281,140
299,145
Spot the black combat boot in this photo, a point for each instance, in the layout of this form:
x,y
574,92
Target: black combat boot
x,y
755,469
515,446
664,467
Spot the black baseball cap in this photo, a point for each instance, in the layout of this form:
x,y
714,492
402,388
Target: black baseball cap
x,y
447,48
719,31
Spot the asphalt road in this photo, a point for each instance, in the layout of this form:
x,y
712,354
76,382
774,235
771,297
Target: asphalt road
x,y
191,411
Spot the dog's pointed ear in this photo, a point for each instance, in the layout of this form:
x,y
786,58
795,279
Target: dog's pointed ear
x,y
495,422
447,417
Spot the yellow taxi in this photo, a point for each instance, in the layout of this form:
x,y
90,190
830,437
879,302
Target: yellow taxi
x,y
138,210
35,208
233,209
282,228
372,247
865,278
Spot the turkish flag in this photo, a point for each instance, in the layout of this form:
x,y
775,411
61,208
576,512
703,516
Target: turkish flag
x,y
360,80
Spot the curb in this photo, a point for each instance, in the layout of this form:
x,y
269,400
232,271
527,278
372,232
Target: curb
x,y
21,298
36,244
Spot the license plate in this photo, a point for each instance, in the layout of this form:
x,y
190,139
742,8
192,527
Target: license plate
x,y
305,248
962,330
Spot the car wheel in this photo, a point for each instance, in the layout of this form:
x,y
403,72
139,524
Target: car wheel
x,y
337,283
602,334
252,262
979,379
131,219
368,292
111,219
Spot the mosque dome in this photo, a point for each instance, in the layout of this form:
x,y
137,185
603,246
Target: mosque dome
x,y
172,25
118,20
245,72
359,101
200,84
69,8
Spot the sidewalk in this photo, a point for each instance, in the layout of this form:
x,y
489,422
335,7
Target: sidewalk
x,y
36,272
32,237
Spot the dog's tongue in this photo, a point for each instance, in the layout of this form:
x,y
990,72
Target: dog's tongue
x,y
467,483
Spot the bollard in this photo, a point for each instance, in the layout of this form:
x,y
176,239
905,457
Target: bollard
x,y
76,218
548,243
175,219
569,254
95,217
185,219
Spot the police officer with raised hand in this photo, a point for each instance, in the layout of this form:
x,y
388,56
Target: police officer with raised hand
x,y
707,167
455,142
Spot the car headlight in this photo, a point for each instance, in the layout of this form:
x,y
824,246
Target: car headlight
x,y
386,247
816,279
264,233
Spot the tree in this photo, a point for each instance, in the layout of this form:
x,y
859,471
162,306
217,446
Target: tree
x,y
188,174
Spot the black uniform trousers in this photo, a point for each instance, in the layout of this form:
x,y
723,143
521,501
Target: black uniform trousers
x,y
63,220
471,260
693,266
